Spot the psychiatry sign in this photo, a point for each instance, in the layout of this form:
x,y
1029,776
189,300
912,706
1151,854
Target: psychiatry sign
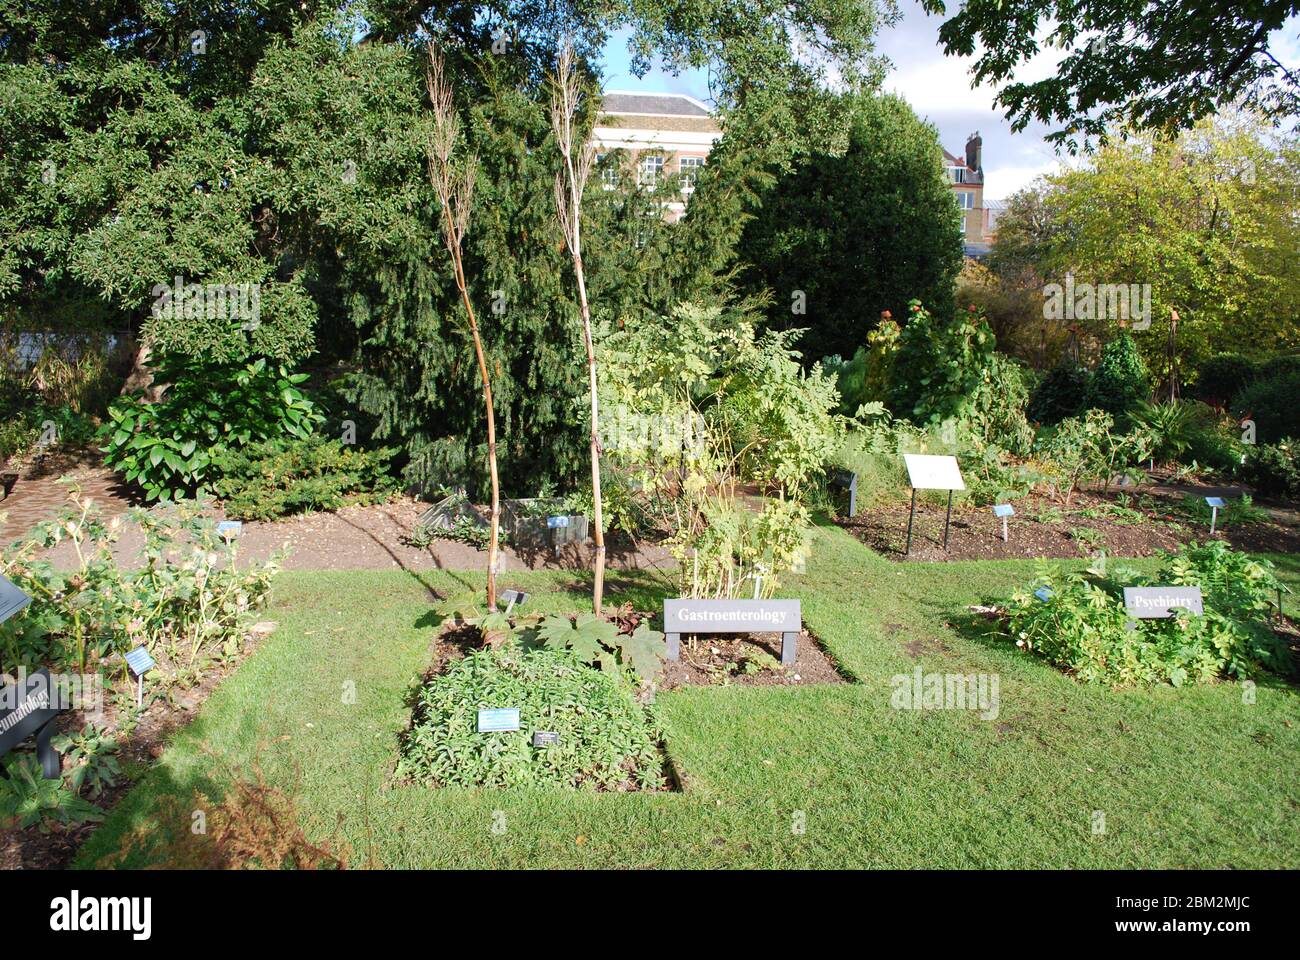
x,y
926,472
1155,603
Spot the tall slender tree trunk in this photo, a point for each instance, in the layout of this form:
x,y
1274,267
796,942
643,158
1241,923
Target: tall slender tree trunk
x,y
493,541
570,183
598,518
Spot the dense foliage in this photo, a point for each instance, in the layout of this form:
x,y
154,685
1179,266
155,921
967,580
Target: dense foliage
x,y
1083,627
172,447
278,478
1121,382
698,404
1274,405
607,740
846,235
186,600
1158,65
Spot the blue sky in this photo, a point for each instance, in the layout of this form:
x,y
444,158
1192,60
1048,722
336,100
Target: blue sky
x,y
939,89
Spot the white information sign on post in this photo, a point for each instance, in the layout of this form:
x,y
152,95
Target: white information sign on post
x,y
929,472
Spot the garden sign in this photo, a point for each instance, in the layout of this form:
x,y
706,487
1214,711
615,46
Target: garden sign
x,y
927,472
733,616
28,708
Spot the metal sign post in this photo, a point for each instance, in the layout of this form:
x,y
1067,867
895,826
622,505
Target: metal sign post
x,y
1214,503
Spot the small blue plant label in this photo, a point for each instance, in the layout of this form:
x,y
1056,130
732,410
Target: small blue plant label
x,y
1003,510
554,522
1215,501
498,720
545,738
230,528
1043,593
140,661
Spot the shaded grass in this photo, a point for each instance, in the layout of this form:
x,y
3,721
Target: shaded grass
x,y
1185,778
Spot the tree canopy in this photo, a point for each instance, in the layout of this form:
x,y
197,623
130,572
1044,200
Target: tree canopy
x,y
1152,64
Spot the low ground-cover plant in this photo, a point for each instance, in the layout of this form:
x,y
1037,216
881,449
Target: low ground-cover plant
x,y
1234,512
607,740
171,448
27,799
91,759
188,601
282,477
1078,621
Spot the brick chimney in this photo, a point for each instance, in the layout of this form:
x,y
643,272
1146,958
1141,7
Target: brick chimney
x,y
974,151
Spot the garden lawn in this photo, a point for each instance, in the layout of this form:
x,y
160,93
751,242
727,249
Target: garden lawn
x,y
774,777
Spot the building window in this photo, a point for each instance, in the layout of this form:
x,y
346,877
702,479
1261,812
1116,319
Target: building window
x,y
649,169
690,169
966,199
608,174
957,174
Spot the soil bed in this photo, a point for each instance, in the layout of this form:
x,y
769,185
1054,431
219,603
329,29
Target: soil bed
x,y
1045,528
709,660
30,849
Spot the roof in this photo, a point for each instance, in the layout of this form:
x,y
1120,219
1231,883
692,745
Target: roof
x,y
654,104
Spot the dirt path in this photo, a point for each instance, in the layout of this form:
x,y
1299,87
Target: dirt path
x,y
354,538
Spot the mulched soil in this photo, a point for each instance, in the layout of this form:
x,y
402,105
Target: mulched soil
x,y
719,660
1036,532
32,850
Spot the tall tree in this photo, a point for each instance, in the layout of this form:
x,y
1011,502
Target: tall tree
x,y
842,237
455,194
570,184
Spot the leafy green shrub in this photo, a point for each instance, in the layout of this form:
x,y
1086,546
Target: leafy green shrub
x,y
1089,450
1084,628
867,376
187,600
1188,430
27,799
1273,405
1062,393
997,409
171,447
278,478
89,755
1222,377
940,365
607,740
1273,469
599,643
698,404
1121,383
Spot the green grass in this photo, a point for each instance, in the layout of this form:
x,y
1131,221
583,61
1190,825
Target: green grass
x,y
1186,778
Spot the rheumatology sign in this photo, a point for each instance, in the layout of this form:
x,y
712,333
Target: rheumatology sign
x,y
29,708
